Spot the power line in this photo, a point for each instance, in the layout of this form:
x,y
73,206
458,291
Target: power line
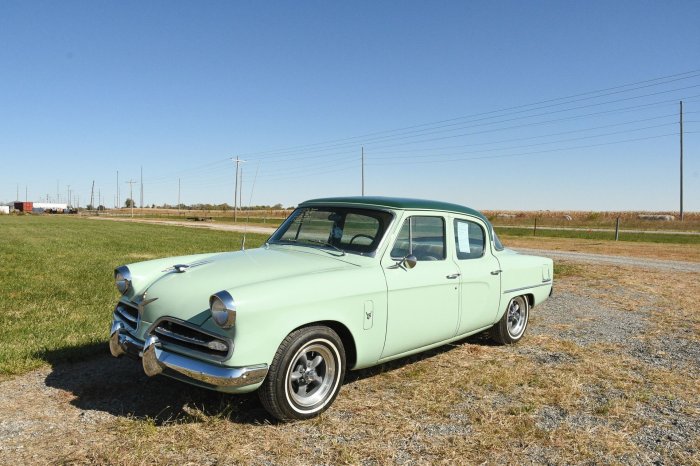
x,y
459,159
432,157
481,122
511,110
204,167
334,162
299,156
332,157
523,154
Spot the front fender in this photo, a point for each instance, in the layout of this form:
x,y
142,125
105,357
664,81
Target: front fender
x,y
267,312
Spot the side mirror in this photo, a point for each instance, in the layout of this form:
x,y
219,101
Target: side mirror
x,y
408,262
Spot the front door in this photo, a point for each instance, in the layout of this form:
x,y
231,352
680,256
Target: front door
x,y
423,302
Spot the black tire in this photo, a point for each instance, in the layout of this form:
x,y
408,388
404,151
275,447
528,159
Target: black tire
x,y
305,375
511,328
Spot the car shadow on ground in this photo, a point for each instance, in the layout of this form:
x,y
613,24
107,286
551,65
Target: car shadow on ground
x,y
120,387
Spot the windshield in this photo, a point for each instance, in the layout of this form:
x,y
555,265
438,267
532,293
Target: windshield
x,y
341,228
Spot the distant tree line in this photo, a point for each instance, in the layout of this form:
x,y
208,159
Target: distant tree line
x,y
224,206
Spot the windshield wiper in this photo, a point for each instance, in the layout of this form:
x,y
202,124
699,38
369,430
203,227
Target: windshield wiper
x,y
326,243
308,242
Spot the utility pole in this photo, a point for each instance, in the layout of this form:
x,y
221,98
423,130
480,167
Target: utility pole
x,y
68,198
141,187
681,121
178,196
26,196
363,170
17,197
240,190
99,200
58,196
131,195
235,189
92,195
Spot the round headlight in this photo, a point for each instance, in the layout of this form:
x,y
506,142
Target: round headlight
x,y
122,278
223,309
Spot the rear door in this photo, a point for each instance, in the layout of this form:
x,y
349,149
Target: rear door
x,y
480,275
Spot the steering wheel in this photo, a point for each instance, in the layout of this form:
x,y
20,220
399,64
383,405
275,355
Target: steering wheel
x,y
361,235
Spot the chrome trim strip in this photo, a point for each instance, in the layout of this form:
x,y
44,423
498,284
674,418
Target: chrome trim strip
x,y
156,360
186,339
125,316
526,288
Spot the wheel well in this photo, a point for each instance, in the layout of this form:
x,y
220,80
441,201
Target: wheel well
x,y
345,336
530,300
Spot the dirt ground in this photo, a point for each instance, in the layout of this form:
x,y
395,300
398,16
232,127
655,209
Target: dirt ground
x,y
608,372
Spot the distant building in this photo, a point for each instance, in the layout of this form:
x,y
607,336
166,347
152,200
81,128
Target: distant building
x,y
24,206
4,209
50,206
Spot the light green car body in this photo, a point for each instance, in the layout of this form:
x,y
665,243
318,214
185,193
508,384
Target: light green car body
x,y
381,311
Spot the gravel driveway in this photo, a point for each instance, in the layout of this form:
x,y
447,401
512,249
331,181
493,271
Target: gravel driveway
x,y
614,260
69,410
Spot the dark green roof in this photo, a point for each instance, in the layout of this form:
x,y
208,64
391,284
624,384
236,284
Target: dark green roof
x,y
397,203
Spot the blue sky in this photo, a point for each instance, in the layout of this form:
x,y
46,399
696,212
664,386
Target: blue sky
x,y
440,94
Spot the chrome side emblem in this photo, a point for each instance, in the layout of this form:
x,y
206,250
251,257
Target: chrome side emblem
x,y
143,302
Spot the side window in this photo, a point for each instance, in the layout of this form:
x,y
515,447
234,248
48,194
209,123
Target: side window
x,y
424,237
470,239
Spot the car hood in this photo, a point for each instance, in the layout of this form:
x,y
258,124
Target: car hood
x,y
185,294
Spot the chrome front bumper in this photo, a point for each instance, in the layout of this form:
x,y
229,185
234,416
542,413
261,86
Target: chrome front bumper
x,y
157,360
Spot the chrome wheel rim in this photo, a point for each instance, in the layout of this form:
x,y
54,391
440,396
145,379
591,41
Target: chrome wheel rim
x,y
311,376
517,317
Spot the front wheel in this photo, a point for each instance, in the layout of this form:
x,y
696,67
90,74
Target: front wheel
x,y
511,328
305,374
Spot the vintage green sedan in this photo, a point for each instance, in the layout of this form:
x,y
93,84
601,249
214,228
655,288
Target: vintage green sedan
x,y
344,283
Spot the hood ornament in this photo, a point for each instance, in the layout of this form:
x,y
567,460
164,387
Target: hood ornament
x,y
180,268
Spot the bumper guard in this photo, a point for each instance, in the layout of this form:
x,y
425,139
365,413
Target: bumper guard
x,y
157,360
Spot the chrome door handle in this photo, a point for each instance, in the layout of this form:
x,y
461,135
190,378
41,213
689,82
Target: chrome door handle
x,y
453,276
496,272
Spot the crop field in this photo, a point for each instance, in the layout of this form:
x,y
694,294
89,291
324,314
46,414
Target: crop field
x,y
608,371
630,220
634,226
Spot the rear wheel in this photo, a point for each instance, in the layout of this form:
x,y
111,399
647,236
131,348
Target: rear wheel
x,y
305,374
511,328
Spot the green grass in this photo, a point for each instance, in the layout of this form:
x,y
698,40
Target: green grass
x,y
598,235
56,286
566,270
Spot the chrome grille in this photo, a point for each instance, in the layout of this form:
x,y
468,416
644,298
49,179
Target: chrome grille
x,y
128,314
178,333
